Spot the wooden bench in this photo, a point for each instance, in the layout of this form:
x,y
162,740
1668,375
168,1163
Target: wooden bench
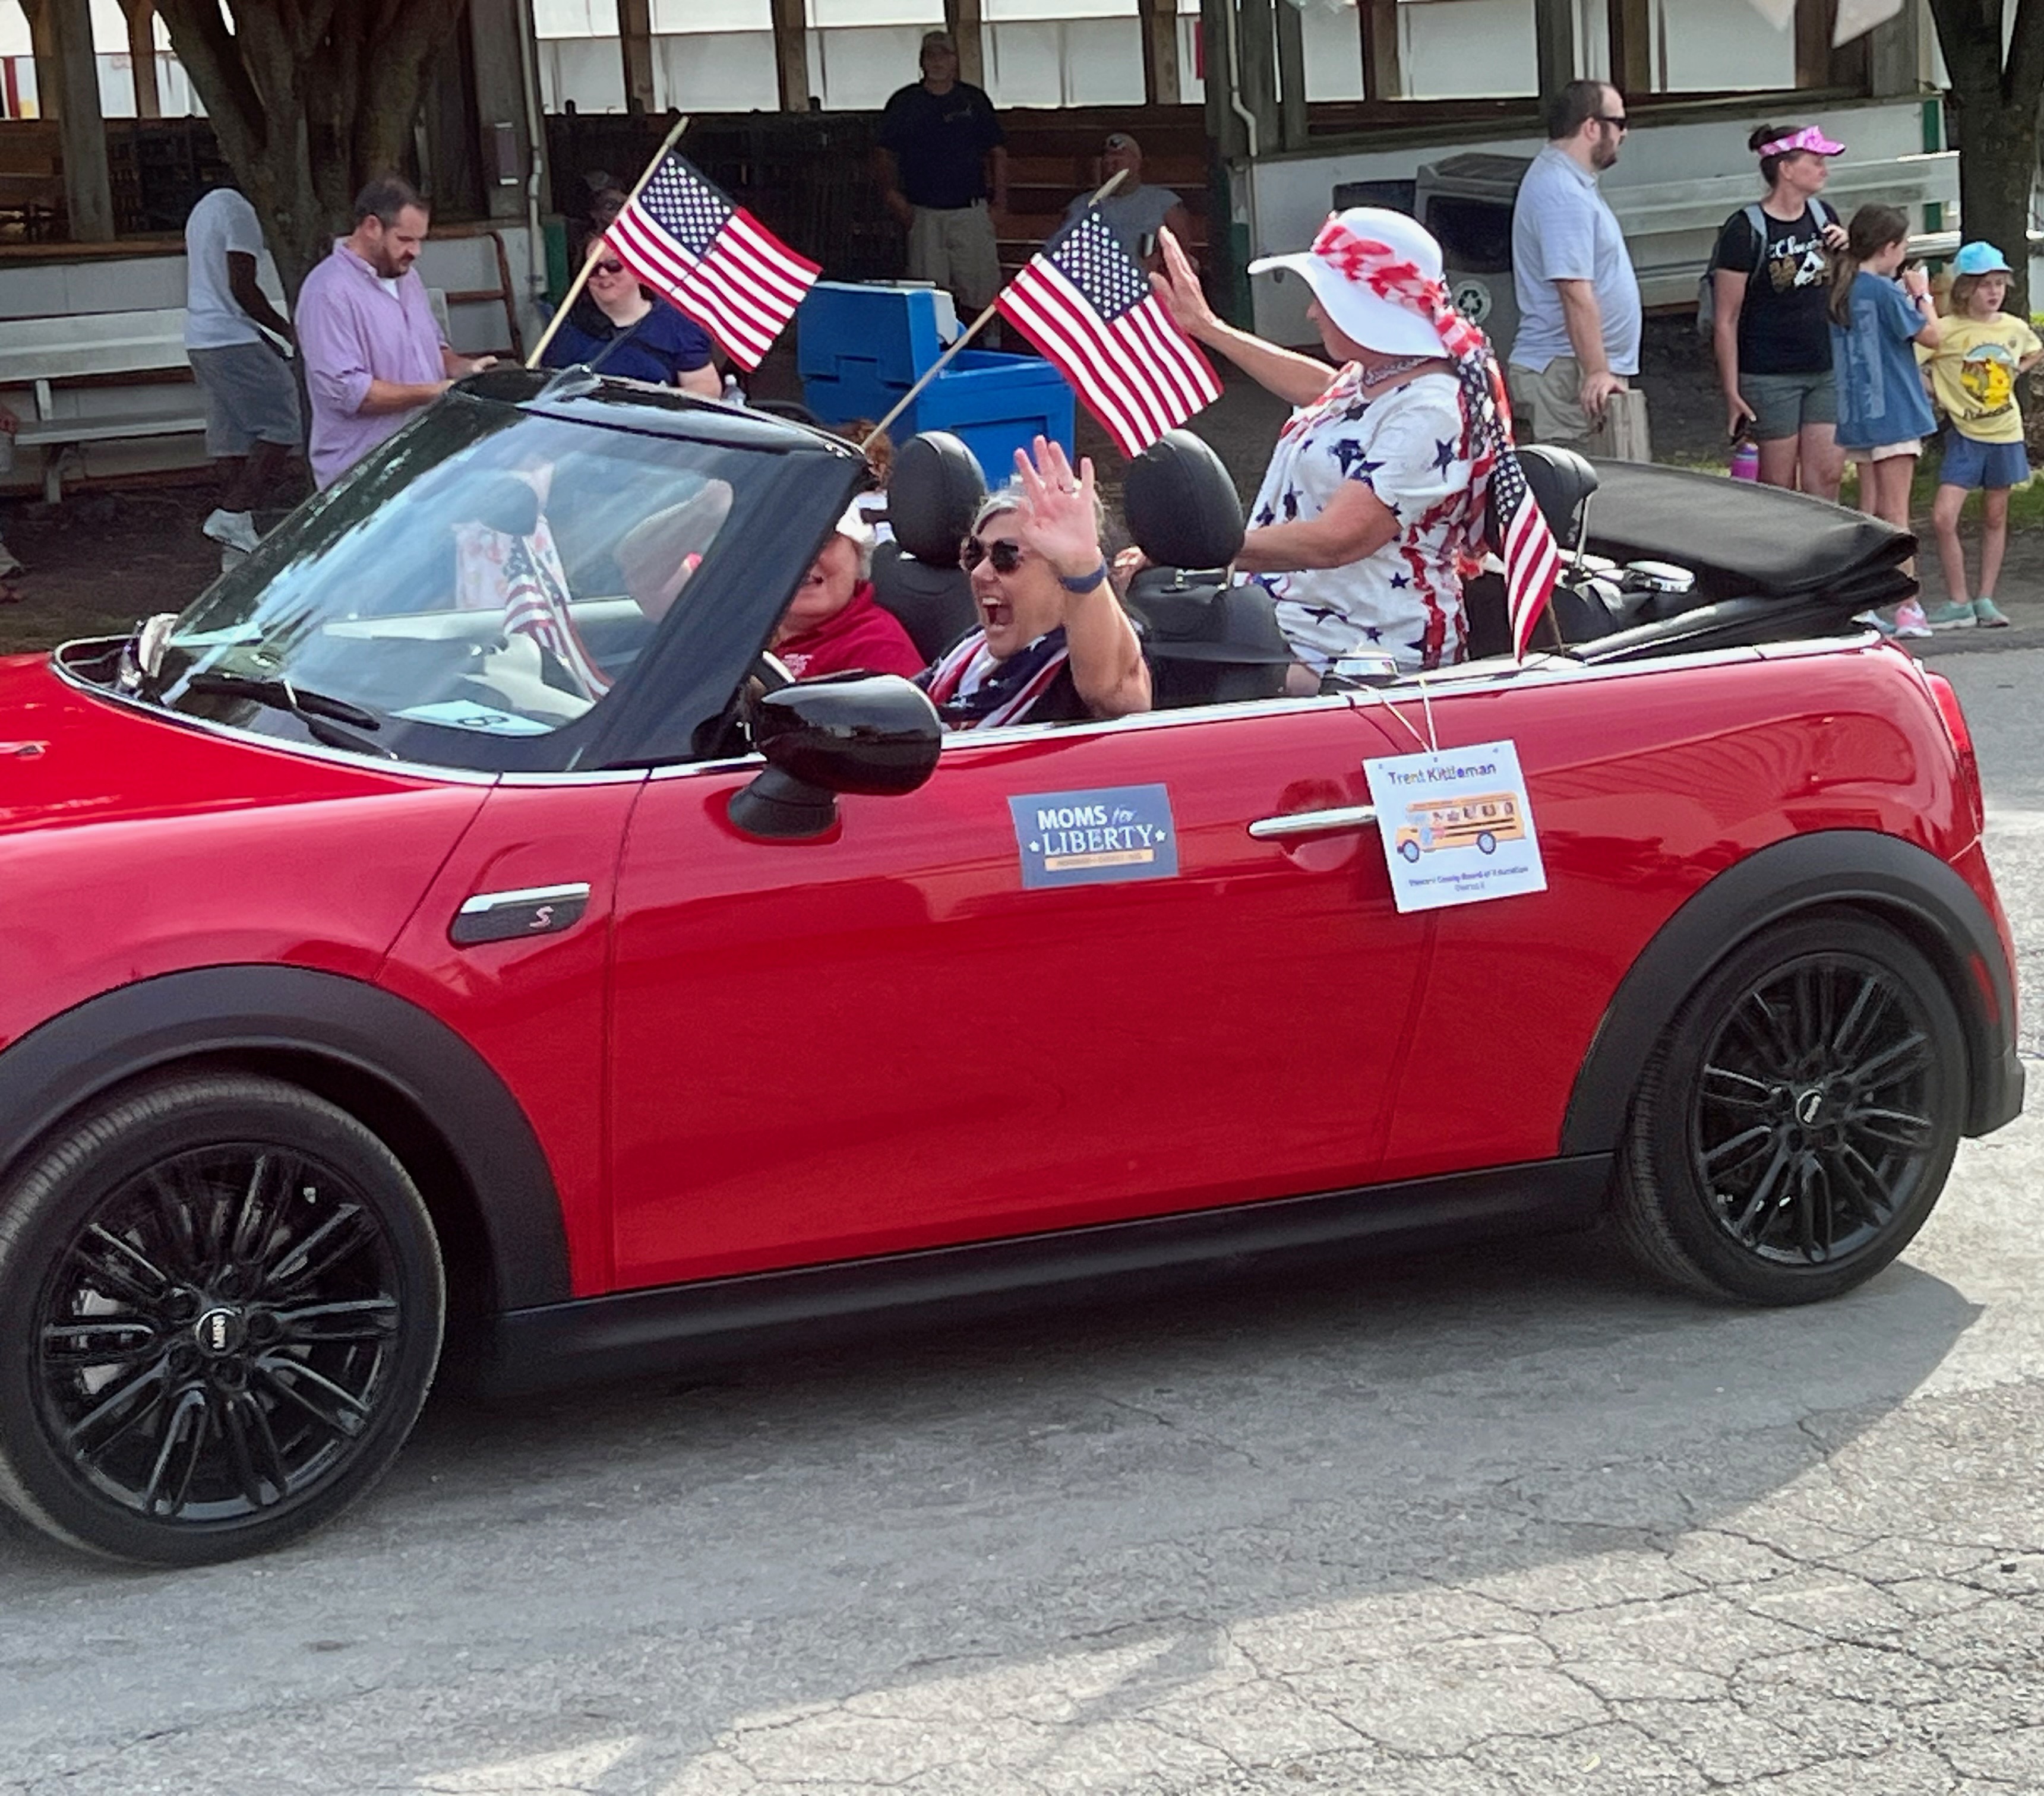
x,y
102,349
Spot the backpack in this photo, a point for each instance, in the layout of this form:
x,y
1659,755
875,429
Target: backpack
x,y
1707,289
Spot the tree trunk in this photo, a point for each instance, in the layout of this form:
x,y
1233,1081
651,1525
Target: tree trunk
x,y
310,99
1995,102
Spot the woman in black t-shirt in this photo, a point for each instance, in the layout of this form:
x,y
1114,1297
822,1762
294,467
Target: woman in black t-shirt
x,y
1771,275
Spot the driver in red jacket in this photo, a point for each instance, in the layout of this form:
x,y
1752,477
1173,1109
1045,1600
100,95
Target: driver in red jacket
x,y
833,624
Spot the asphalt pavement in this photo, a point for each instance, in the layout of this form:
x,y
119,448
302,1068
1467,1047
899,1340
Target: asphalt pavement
x,y
1495,1522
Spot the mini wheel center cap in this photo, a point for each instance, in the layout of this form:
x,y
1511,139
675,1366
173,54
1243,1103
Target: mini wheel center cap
x,y
219,1331
1809,1106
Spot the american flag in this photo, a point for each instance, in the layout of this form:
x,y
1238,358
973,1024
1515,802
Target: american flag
x,y
714,260
532,607
1532,562
1085,304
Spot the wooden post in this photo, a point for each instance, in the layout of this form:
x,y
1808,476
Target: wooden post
x,y
142,56
791,55
49,72
1814,21
1224,128
1291,76
962,19
1631,47
1892,53
1258,35
1157,20
1382,78
1554,43
1623,436
635,43
81,130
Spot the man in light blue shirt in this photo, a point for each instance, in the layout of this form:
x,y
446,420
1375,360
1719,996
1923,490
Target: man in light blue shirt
x,y
1579,339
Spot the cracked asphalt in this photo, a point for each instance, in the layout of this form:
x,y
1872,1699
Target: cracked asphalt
x,y
1500,1522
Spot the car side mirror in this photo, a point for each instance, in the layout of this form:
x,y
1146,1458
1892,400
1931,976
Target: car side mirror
x,y
876,733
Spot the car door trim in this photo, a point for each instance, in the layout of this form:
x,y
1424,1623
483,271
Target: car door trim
x,y
638,1333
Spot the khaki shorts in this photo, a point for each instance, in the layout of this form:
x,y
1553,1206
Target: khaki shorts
x,y
1547,407
955,249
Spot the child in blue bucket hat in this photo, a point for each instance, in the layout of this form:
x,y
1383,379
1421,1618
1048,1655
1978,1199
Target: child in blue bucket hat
x,y
1979,354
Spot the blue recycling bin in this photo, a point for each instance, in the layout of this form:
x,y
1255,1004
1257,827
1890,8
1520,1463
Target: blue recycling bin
x,y
858,348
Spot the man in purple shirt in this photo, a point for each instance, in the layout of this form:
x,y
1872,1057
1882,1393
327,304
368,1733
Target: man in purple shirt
x,y
373,353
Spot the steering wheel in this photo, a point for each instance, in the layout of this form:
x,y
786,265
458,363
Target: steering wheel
x,y
771,671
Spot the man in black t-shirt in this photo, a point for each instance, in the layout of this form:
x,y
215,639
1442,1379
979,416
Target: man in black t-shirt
x,y
940,155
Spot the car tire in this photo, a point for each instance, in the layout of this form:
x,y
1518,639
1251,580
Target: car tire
x,y
1409,850
225,1302
1796,1123
1487,842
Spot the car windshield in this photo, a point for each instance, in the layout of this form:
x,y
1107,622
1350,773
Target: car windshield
x,y
485,582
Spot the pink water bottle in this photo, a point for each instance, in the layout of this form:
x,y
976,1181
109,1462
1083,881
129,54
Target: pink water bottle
x,y
1745,459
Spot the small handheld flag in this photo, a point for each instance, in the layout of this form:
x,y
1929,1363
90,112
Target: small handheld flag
x,y
1085,303
712,260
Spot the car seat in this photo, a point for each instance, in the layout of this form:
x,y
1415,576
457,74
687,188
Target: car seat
x,y
1561,481
1209,640
933,493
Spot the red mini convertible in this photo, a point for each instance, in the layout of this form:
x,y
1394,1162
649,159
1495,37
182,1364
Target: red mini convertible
x,y
450,928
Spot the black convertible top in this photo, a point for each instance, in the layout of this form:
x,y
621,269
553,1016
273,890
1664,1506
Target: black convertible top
x,y
1740,539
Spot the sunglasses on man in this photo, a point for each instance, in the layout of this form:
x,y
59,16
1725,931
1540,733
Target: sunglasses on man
x,y
1006,555
1620,125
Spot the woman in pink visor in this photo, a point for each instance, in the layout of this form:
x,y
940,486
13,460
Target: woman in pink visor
x,y
1770,277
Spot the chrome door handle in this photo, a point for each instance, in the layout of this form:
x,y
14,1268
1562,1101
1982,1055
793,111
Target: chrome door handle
x,y
533,910
1315,822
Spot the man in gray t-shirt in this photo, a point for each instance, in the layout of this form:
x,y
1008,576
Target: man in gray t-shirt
x,y
1579,339
1135,214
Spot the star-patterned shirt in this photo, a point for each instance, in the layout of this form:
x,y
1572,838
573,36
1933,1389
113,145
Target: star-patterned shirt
x,y
1411,448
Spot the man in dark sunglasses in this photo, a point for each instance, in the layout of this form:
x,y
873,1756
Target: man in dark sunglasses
x,y
1578,338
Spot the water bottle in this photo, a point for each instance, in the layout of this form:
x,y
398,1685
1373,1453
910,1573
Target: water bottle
x,y
734,394
1745,459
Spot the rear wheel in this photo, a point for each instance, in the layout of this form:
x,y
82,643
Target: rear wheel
x,y
225,1304
1797,1123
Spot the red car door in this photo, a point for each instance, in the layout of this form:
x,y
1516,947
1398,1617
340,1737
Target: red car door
x,y
994,1006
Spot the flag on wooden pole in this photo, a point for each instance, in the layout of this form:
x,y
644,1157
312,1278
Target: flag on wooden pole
x,y
1085,303
712,260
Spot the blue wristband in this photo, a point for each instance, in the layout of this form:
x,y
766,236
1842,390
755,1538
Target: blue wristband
x,y
1084,582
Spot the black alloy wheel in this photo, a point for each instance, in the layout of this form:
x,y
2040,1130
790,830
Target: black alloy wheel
x,y
230,1304
1797,1123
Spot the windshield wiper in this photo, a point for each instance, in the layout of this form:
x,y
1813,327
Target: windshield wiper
x,y
321,714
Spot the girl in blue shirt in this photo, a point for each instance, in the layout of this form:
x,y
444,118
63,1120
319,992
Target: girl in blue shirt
x,y
1883,412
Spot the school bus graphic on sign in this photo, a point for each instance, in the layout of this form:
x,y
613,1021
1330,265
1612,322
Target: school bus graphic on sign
x,y
1479,823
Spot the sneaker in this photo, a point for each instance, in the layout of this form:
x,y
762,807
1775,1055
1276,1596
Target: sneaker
x,y
233,530
1988,616
1873,621
1910,620
1950,616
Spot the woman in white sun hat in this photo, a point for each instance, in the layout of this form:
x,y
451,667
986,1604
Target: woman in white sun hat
x,y
1372,513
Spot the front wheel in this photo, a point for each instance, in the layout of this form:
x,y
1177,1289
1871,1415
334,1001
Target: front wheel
x,y
225,1304
1796,1124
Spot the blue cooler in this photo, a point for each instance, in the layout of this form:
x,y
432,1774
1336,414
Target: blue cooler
x,y
859,348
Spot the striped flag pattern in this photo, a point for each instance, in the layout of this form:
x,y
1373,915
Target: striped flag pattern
x,y
1532,561
531,609
714,260
1083,301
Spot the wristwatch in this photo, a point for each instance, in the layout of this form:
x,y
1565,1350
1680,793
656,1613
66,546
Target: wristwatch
x,y
1084,582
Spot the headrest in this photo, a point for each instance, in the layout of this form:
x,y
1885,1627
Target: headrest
x,y
933,490
503,503
1181,503
1561,481
1206,620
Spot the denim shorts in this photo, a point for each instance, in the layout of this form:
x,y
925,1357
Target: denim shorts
x,y
1783,404
1972,464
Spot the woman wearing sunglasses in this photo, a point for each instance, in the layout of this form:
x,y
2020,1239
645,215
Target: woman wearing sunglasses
x,y
617,327
1054,644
